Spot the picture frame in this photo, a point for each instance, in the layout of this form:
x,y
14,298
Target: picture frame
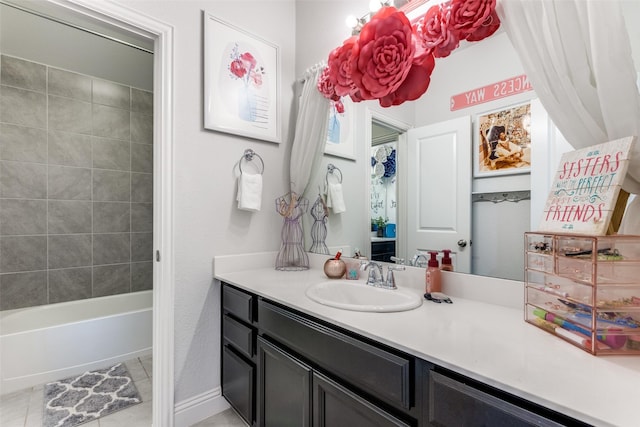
x,y
502,141
241,82
340,137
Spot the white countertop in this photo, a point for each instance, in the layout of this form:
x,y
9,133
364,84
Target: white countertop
x,y
383,239
488,342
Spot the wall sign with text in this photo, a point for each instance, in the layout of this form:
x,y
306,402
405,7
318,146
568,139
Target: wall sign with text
x,y
585,188
502,89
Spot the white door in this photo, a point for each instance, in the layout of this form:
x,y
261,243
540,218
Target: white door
x,y
439,190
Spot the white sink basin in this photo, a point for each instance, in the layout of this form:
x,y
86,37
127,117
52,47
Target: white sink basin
x,y
358,296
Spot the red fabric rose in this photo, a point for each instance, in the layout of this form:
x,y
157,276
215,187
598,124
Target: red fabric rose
x,y
436,33
417,81
339,68
488,27
237,68
325,86
339,106
383,54
468,15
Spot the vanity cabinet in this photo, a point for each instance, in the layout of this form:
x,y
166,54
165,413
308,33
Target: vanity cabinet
x,y
301,371
284,388
239,351
335,405
383,250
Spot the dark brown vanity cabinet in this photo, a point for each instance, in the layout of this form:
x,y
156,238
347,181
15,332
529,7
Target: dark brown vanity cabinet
x,y
333,378
454,400
383,250
239,351
284,368
284,388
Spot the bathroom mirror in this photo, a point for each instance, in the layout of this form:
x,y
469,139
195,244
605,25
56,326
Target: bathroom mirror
x,y
497,228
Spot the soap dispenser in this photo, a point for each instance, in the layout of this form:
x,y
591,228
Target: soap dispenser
x,y
433,282
446,261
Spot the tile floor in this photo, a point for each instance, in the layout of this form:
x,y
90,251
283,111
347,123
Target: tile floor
x,y
227,418
24,408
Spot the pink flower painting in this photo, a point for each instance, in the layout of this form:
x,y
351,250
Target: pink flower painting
x,y
244,67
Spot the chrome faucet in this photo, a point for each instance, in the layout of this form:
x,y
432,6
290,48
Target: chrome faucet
x,y
390,283
375,274
415,261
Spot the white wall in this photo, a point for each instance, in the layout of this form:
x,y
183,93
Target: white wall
x,y
207,222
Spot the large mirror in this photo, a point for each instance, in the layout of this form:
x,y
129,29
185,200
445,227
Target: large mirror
x,y
501,208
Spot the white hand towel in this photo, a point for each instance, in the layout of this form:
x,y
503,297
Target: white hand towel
x,y
249,192
335,199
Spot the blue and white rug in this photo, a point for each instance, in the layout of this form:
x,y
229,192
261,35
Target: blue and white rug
x,y
87,397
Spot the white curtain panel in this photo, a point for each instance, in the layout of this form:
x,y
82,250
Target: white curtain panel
x,y
577,56
312,125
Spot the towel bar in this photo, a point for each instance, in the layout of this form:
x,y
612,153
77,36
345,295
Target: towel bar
x,y
248,156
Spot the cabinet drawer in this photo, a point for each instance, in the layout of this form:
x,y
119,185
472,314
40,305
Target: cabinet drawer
x,y
371,369
334,405
238,383
239,335
238,303
382,247
452,402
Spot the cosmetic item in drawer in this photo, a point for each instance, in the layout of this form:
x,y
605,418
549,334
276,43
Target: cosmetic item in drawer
x,y
367,367
539,243
238,303
241,336
540,262
555,288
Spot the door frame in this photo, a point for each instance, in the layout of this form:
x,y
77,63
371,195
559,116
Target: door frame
x,y
402,128
163,179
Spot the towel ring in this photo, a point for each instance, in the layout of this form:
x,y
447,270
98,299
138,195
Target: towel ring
x,y
248,156
331,169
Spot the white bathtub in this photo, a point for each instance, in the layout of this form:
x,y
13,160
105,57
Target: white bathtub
x,y
50,342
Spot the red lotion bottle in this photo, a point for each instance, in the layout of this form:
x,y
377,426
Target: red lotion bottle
x,y
446,261
433,280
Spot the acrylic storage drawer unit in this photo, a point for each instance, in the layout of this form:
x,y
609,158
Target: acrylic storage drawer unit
x,y
585,290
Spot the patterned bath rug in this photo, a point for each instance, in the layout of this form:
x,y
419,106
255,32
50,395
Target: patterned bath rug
x,y
87,397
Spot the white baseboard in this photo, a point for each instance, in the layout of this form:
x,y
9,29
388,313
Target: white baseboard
x,y
199,407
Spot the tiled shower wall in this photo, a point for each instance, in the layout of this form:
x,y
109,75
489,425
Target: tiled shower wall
x,y
76,187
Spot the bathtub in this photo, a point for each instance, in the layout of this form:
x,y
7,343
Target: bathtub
x,y
50,342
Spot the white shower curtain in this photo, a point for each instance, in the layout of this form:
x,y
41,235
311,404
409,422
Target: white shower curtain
x,y
310,137
577,56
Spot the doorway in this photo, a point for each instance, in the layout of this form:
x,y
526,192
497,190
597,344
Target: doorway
x,y
385,185
113,18
383,191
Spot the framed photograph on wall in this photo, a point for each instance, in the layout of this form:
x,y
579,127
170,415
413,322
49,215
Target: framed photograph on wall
x,y
340,137
241,82
502,142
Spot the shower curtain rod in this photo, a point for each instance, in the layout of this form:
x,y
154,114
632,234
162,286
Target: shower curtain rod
x,y
77,27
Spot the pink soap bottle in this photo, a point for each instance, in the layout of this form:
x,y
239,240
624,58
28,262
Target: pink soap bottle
x,y
446,261
433,281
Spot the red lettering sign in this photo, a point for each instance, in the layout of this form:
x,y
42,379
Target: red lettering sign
x,y
508,87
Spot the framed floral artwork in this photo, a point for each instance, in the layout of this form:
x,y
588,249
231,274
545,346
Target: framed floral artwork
x,y
241,82
340,141
503,142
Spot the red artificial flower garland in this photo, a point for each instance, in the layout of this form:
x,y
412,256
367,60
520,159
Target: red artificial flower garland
x,y
392,60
